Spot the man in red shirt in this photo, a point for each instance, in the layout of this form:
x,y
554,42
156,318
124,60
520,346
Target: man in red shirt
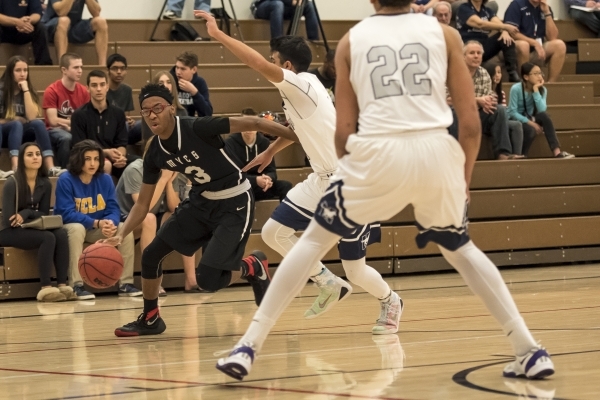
x,y
61,98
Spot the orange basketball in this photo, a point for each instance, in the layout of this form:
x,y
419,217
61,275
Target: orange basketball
x,y
100,265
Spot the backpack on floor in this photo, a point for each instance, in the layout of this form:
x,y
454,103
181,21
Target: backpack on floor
x,y
183,31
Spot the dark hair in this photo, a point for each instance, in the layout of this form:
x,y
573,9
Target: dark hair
x,y
293,49
65,59
188,59
77,157
491,69
113,58
395,3
21,175
330,56
96,73
249,111
10,87
526,70
154,89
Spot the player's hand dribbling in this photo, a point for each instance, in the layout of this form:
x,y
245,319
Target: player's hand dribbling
x,y
113,241
211,23
263,160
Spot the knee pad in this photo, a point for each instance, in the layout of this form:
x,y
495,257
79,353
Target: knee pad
x,y
212,279
152,258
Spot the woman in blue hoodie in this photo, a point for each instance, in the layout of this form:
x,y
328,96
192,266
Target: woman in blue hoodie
x,y
527,104
86,199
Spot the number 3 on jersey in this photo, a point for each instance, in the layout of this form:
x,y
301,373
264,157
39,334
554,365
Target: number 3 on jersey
x,y
417,56
199,175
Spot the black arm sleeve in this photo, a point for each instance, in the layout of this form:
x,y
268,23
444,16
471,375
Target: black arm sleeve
x,y
151,170
210,130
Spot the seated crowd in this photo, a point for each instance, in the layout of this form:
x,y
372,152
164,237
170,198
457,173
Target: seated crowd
x,y
80,133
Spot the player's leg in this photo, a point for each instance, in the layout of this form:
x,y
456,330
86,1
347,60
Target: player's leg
x,y
279,234
353,250
441,218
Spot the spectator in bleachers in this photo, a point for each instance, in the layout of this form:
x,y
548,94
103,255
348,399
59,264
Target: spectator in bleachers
x,y
475,21
492,5
103,123
326,73
538,35
192,89
169,192
443,12
246,146
527,104
165,79
20,24
65,24
275,11
494,120
31,186
119,93
20,108
587,18
61,99
86,200
515,129
175,7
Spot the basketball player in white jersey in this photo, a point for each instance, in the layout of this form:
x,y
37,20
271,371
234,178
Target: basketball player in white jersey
x,y
391,72
311,114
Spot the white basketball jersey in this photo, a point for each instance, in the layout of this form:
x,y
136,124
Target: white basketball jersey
x,y
398,72
311,114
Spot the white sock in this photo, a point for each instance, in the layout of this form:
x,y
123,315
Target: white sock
x,y
359,273
282,239
289,280
484,279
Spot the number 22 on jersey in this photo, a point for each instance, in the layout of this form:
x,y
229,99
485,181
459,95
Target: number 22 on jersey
x,y
382,77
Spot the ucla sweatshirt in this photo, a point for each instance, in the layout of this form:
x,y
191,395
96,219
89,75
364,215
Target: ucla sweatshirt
x,y
82,203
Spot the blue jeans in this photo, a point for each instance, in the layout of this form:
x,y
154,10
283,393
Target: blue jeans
x,y
177,6
36,129
61,140
278,10
12,133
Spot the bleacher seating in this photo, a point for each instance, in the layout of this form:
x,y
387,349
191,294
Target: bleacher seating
x,y
526,212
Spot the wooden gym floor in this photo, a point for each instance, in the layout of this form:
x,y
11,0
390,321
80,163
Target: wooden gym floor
x,y
447,348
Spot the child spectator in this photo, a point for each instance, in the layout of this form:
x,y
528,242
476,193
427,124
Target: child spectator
x,y
192,89
86,199
527,104
20,108
32,186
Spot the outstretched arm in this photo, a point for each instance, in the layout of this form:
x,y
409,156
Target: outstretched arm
x,y
242,124
246,54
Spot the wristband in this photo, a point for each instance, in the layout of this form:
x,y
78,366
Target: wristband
x,y
548,15
25,91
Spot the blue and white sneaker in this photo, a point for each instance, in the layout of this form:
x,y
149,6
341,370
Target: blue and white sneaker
x,y
239,362
129,290
82,294
536,364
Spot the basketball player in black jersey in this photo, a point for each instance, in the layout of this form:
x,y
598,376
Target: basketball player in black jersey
x,y
218,214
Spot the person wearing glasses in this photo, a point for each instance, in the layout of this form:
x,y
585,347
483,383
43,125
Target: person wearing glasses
x,y
218,214
527,104
119,94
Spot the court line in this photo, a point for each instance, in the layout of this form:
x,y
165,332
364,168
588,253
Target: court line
x,y
460,377
303,297
127,341
198,384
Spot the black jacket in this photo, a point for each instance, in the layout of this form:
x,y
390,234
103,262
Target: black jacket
x,y
106,128
235,142
36,205
199,104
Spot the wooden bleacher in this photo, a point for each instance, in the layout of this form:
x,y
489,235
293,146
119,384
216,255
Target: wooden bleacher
x,y
526,212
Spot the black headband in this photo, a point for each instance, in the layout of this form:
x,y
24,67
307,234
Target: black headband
x,y
158,93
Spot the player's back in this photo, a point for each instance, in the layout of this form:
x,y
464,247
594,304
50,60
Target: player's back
x,y
398,71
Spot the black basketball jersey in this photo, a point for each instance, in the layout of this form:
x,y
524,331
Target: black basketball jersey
x,y
202,155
